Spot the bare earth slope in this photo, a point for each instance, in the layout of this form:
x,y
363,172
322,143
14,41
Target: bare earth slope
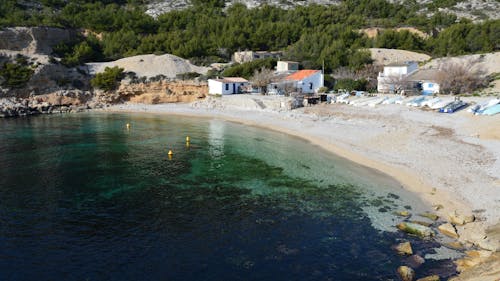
x,y
150,65
386,56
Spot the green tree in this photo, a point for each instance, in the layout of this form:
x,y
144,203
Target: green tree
x,y
109,79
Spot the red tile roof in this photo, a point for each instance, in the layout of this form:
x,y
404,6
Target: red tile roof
x,y
301,74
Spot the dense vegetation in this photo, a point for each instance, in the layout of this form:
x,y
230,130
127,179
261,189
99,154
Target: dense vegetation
x,y
206,32
109,79
15,74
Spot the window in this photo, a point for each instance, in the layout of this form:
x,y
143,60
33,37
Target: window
x,y
310,86
431,85
227,87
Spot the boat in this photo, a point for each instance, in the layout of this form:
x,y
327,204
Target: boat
x,y
415,101
484,106
492,110
441,104
430,102
364,101
404,101
343,98
377,101
453,106
392,100
418,102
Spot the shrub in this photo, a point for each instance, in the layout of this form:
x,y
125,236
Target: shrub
x,y
109,79
15,75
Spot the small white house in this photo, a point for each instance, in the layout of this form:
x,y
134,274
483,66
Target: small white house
x,y
427,79
392,73
306,81
226,85
287,66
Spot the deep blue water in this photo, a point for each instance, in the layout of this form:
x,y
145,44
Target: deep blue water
x,y
83,198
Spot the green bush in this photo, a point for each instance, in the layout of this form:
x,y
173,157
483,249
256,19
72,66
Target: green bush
x,y
109,79
15,75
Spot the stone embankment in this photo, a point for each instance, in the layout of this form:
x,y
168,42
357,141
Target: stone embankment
x,y
57,102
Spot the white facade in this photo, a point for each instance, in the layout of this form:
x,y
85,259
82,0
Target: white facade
x,y
429,88
307,81
226,86
389,80
284,66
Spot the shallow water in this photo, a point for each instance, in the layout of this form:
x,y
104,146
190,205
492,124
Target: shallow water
x,y
83,198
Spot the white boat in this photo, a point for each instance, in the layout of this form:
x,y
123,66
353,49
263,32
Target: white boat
x,y
430,102
392,100
364,101
416,101
441,104
492,110
404,101
484,106
343,98
377,101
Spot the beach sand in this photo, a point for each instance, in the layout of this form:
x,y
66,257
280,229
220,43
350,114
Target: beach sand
x,y
451,160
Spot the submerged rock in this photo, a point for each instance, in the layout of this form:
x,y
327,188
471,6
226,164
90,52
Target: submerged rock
x,y
430,278
402,213
415,229
460,219
448,229
422,223
430,216
404,248
406,273
415,261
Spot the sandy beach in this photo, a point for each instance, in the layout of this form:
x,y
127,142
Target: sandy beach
x,y
449,160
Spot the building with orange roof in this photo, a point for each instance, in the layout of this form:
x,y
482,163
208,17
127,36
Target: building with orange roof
x,y
306,81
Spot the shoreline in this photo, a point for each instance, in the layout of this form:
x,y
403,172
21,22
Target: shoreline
x,y
471,185
311,127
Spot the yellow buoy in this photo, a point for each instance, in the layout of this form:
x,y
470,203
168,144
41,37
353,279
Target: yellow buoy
x,y
170,152
187,139
128,125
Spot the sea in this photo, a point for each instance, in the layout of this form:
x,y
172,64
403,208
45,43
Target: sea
x,y
86,197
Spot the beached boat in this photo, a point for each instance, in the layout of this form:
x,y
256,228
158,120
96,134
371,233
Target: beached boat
x,y
484,106
430,102
377,101
404,101
416,101
441,104
453,107
392,100
343,98
364,101
492,110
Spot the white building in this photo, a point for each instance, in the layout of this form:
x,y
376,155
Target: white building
x,y
226,85
247,56
394,75
287,66
306,81
427,80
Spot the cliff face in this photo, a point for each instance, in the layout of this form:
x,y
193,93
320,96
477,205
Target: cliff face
x,y
33,40
157,92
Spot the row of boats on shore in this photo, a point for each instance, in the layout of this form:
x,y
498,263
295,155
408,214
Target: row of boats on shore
x,y
445,105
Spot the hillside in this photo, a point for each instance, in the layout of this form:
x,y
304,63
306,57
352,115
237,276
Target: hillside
x,y
386,56
150,66
474,9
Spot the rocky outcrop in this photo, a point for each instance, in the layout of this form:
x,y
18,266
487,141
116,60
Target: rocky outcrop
x,y
33,40
406,273
60,101
404,248
448,229
415,229
157,92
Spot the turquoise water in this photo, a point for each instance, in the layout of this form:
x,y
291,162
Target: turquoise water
x,y
83,198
